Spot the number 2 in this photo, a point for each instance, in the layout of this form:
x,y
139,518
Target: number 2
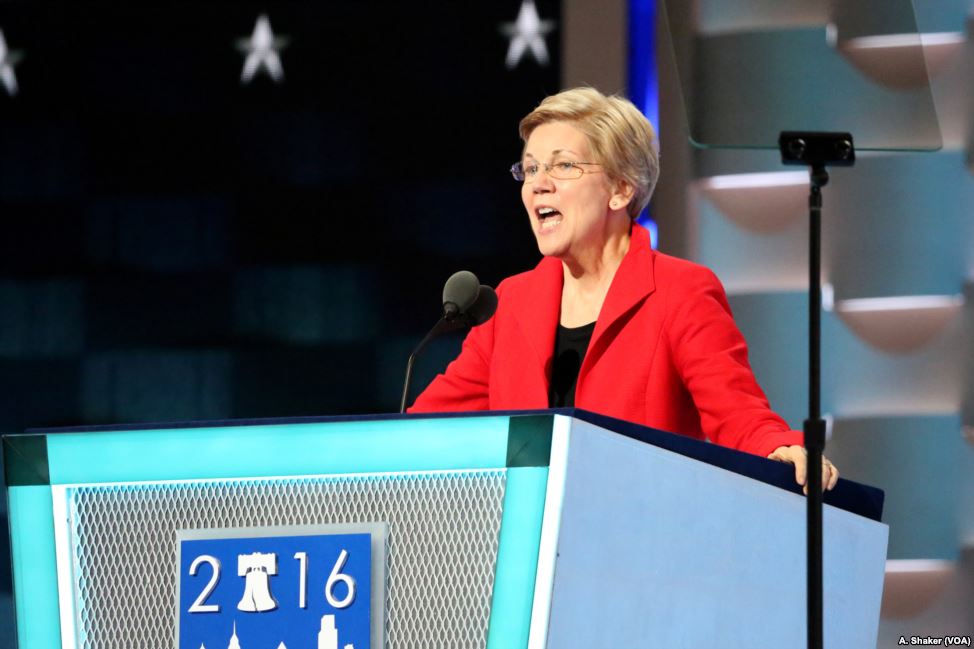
x,y
199,606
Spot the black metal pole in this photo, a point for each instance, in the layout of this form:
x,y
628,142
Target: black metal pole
x,y
815,150
815,425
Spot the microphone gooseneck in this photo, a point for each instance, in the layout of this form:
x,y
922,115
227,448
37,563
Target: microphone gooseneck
x,y
466,303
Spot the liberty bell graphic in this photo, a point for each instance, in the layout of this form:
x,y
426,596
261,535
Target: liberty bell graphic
x,y
255,569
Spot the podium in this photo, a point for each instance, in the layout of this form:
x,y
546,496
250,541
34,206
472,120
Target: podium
x,y
532,529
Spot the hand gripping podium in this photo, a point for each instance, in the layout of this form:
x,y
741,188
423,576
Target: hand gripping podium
x,y
554,529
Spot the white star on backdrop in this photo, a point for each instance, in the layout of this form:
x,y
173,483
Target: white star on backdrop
x,y
263,51
8,59
528,31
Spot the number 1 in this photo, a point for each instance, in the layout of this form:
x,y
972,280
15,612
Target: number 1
x,y
302,558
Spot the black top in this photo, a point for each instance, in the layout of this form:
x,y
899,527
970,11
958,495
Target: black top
x,y
570,347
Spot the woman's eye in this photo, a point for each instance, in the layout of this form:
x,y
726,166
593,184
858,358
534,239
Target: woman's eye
x,y
530,169
565,166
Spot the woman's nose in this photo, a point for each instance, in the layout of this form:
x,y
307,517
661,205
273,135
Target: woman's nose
x,y
542,181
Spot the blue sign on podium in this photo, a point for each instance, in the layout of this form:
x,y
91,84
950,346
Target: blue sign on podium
x,y
278,588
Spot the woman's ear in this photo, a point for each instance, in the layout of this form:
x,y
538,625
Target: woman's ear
x,y
622,194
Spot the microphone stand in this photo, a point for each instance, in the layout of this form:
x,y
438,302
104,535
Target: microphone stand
x,y
466,303
449,322
815,150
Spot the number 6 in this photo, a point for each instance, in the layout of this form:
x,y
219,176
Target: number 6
x,y
336,576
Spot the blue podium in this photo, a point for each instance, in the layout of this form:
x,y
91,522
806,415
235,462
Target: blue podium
x,y
502,530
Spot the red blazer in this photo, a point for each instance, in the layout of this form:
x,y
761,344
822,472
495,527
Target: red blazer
x,y
665,353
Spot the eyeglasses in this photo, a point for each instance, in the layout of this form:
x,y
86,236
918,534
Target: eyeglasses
x,y
563,170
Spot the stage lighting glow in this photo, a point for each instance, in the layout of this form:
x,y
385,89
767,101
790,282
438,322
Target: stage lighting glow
x,y
885,41
899,303
643,79
647,222
917,565
756,180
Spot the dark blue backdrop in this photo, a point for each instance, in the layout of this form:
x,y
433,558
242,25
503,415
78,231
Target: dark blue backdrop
x,y
176,245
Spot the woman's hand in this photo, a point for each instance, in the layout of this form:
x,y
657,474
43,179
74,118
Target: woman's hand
x,y
797,455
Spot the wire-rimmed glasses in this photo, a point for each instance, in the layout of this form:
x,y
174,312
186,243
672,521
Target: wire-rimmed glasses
x,y
562,170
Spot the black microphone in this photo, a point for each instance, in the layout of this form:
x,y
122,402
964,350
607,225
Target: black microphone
x,y
466,303
483,307
459,293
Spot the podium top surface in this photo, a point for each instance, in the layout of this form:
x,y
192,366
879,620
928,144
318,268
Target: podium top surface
x,y
289,446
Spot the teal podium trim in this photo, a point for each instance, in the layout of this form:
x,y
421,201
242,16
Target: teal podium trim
x,y
278,450
34,567
517,557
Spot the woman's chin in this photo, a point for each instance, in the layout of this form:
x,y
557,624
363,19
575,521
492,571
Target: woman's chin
x,y
551,248
551,242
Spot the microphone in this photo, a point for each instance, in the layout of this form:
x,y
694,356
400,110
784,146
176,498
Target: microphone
x,y
459,293
466,303
483,307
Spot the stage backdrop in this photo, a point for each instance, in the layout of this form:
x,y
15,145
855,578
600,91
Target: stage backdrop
x,y
233,209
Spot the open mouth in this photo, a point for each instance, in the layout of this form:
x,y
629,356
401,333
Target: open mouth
x,y
548,217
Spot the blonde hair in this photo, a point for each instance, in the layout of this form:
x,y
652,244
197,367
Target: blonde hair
x,y
622,139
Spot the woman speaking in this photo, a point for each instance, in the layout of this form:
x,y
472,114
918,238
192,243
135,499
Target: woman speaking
x,y
604,322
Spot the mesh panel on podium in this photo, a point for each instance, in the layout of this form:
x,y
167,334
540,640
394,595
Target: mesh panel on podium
x,y
442,547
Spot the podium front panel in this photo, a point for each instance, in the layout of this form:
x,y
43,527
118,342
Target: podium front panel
x,y
94,517
443,537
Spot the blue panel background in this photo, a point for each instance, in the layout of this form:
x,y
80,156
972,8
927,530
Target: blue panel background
x,y
644,78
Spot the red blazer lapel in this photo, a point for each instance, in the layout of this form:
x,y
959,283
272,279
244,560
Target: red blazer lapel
x,y
633,282
539,307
